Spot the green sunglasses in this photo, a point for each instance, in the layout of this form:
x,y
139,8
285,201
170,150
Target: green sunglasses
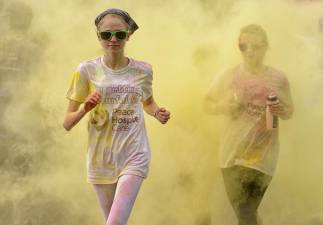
x,y
107,35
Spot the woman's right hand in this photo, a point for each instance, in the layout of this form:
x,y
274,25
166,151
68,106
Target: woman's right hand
x,y
91,101
234,109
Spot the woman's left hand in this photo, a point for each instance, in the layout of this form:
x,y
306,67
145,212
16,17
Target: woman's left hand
x,y
277,109
162,115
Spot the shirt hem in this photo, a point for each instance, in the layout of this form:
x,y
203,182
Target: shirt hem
x,y
250,167
114,180
75,99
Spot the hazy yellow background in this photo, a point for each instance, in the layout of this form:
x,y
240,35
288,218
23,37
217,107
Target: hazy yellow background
x,y
188,43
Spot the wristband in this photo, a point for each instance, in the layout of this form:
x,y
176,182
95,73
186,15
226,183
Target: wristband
x,y
156,112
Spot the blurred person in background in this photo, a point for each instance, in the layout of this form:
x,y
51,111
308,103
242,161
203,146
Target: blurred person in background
x,y
249,151
19,54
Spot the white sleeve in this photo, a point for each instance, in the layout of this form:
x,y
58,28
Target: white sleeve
x,y
147,86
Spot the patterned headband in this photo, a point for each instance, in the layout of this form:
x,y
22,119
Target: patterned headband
x,y
127,18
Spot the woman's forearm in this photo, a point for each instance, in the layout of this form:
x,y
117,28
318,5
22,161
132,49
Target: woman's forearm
x,y
72,118
150,106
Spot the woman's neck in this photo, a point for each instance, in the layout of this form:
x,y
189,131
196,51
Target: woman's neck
x,y
115,61
256,69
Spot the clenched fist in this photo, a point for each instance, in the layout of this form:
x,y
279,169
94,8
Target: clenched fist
x,y
91,101
162,115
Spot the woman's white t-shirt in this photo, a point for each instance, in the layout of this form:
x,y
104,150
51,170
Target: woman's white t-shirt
x,y
117,141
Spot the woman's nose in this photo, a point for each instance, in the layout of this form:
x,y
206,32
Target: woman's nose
x,y
113,38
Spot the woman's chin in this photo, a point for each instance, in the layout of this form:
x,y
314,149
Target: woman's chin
x,y
113,50
253,62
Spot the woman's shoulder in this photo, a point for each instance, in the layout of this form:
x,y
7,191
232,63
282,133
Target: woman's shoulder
x,y
233,70
276,73
89,64
141,66
229,73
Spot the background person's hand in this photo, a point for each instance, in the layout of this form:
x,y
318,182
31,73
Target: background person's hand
x,y
233,105
234,109
277,109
